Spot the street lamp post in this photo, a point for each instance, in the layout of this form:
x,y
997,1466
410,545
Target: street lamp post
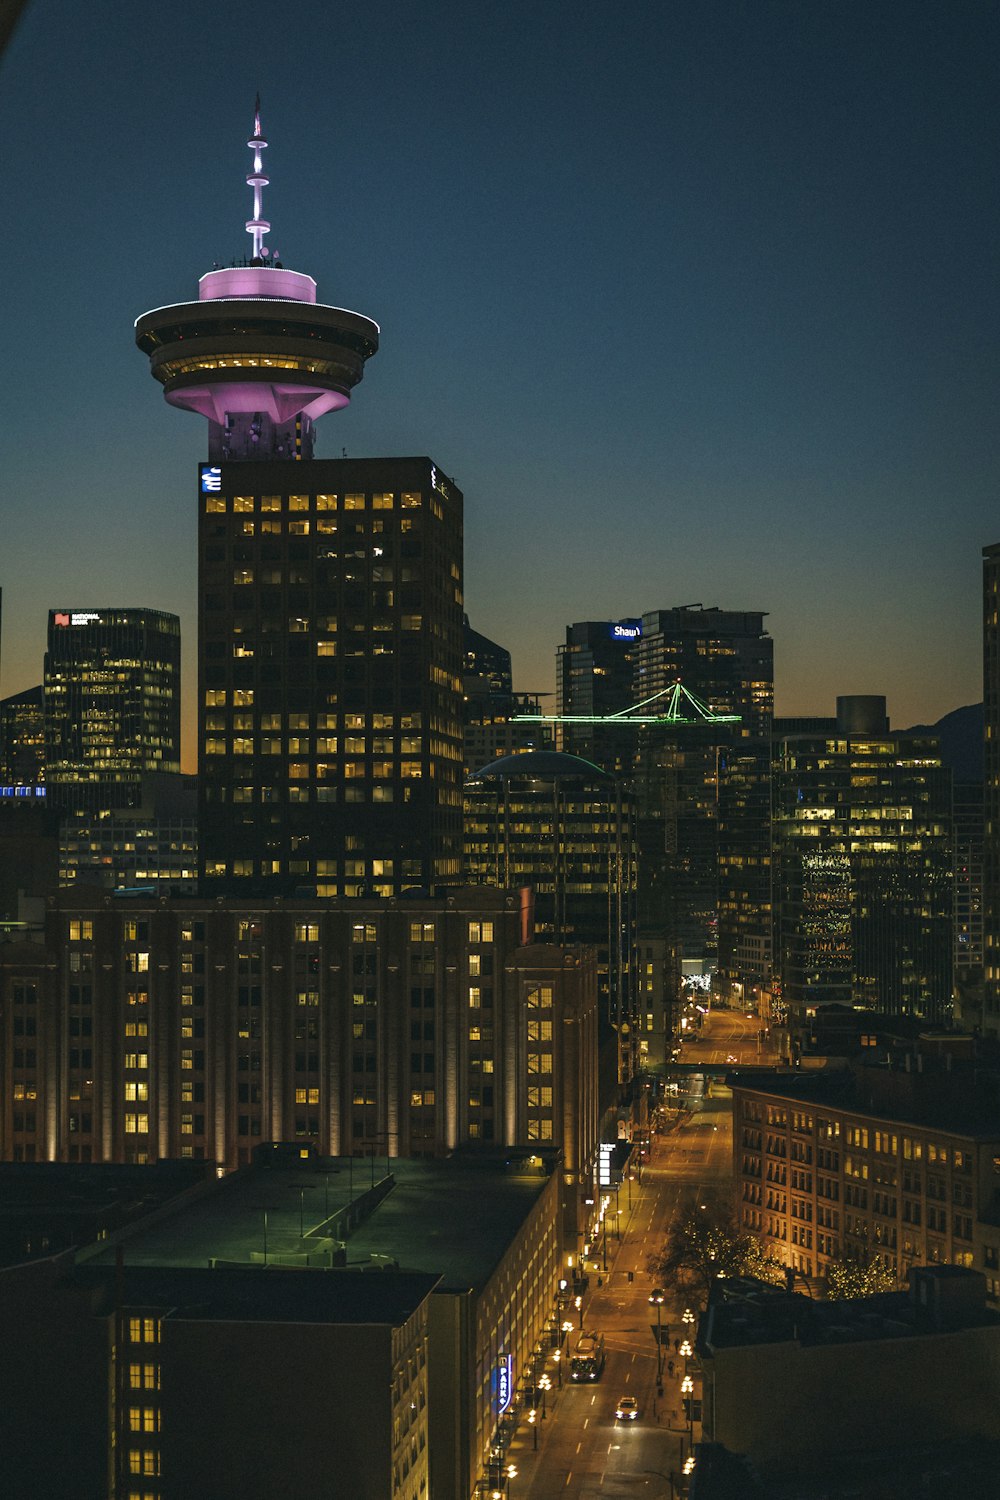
x,y
687,1391
544,1385
557,1357
578,1300
656,1298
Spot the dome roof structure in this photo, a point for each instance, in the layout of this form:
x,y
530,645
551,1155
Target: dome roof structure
x,y
541,765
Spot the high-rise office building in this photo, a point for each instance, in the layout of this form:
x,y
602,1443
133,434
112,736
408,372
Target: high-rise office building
x,y
22,739
487,661
863,883
330,657
330,600
492,711
595,670
566,828
703,789
111,705
991,790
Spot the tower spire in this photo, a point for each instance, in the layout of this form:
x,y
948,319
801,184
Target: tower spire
x,y
256,179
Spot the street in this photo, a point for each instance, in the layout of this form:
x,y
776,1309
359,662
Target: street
x,y
583,1453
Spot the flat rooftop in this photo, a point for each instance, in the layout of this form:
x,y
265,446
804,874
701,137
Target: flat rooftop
x,y
745,1312
453,1219
952,1102
248,1296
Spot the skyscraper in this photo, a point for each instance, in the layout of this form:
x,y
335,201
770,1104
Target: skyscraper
x,y
330,599
566,828
704,790
863,880
991,825
111,705
595,678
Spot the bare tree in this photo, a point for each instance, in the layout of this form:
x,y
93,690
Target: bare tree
x,y
705,1245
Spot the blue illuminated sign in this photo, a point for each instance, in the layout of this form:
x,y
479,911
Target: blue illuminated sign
x,y
211,479
626,630
505,1383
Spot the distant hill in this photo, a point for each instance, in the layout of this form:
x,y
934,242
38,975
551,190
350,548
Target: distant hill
x,y
961,735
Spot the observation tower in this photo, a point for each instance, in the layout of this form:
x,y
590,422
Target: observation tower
x,y
257,354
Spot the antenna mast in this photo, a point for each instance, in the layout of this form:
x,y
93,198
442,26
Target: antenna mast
x,y
256,179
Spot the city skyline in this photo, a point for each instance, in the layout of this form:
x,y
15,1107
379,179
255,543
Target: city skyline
x,y
725,272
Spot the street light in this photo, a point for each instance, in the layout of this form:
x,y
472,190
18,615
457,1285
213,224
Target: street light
x,y
578,1303
544,1385
687,1391
657,1298
557,1358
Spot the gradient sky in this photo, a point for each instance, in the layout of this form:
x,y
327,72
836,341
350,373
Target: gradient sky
x,y
695,299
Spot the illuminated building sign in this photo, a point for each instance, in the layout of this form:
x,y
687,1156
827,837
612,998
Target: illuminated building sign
x,y
607,1149
626,630
211,479
505,1383
75,617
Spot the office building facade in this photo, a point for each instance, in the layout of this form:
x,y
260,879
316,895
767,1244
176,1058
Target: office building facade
x,y
991,790
330,676
595,679
703,790
863,882
565,828
141,1028
893,1163
111,705
22,739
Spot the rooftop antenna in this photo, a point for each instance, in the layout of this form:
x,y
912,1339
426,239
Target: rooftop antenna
x,y
256,179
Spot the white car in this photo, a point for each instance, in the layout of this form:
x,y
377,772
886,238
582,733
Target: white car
x,y
627,1409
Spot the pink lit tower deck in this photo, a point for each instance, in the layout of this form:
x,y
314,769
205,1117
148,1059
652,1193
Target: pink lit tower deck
x,y
257,354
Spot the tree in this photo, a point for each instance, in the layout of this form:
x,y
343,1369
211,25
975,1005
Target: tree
x,y
706,1244
864,1278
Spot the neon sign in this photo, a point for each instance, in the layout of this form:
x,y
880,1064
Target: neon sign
x,y
626,630
505,1383
75,617
211,479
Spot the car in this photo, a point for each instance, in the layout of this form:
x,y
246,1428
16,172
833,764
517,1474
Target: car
x,y
627,1409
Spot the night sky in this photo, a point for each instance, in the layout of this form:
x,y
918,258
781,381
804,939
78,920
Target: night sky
x,y
696,301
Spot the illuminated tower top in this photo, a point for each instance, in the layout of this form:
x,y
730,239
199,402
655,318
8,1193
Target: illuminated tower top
x,y
257,354
257,226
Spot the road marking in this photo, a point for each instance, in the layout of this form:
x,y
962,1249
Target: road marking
x,y
569,1476
578,1447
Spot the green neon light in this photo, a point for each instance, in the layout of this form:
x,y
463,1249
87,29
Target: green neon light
x,y
678,699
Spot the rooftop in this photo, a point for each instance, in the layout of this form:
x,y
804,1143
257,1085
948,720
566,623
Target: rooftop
x,y
452,1219
746,1312
281,1296
960,1101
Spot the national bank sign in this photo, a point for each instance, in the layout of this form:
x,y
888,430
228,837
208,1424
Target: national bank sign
x,y
626,630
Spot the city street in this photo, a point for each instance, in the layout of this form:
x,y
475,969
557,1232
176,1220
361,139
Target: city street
x,y
583,1453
